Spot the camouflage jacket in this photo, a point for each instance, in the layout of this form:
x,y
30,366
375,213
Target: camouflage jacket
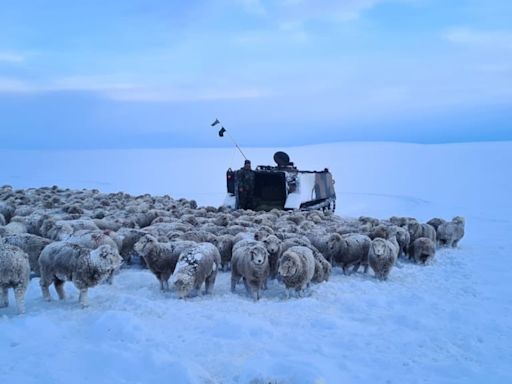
x,y
244,180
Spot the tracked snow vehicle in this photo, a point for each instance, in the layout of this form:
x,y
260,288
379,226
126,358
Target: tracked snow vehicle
x,y
285,187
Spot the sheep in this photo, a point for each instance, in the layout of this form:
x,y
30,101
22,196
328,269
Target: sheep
x,y
382,256
161,258
250,262
196,265
422,250
30,244
62,261
297,268
224,244
322,267
417,230
329,245
92,240
450,233
126,238
352,251
273,246
7,210
15,274
436,222
198,236
403,238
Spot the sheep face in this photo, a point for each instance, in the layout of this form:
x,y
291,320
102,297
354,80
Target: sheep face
x,y
258,255
184,282
144,244
105,258
333,242
272,244
287,266
379,248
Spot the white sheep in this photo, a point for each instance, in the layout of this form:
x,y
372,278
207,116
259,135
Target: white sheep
x,y
352,251
196,265
15,274
422,250
62,261
382,256
250,262
297,268
161,258
32,245
450,233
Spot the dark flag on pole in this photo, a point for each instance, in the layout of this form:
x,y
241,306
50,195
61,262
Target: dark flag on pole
x,y
215,122
221,132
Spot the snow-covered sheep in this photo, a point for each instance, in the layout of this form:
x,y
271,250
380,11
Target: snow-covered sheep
x,y
161,258
322,267
32,245
15,274
196,265
382,256
250,262
62,261
450,233
224,244
262,232
92,240
297,268
436,222
15,227
403,238
353,251
422,250
328,244
369,220
273,246
401,221
127,237
63,229
198,236
417,230
7,210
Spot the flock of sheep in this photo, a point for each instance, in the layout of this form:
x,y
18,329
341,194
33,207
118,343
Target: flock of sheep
x,y
85,236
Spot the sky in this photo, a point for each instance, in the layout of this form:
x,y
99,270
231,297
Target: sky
x,y
155,74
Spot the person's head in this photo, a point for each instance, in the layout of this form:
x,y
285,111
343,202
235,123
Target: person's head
x,y
247,164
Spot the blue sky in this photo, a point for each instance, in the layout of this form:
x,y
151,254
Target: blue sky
x,y
134,73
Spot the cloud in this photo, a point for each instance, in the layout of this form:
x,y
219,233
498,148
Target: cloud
x,y
11,57
300,11
472,37
131,91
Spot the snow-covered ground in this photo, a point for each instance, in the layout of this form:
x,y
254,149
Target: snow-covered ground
x,y
449,322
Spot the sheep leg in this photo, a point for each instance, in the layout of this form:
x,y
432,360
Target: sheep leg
x,y
345,270
83,299
234,281
59,287
45,288
356,267
164,281
4,297
19,294
110,278
209,282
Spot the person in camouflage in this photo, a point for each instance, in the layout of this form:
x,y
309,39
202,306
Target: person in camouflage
x,y
244,186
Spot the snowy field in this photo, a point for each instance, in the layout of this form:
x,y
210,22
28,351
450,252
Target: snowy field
x,y
449,322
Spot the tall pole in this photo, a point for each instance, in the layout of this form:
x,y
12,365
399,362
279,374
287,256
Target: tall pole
x,y
221,134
